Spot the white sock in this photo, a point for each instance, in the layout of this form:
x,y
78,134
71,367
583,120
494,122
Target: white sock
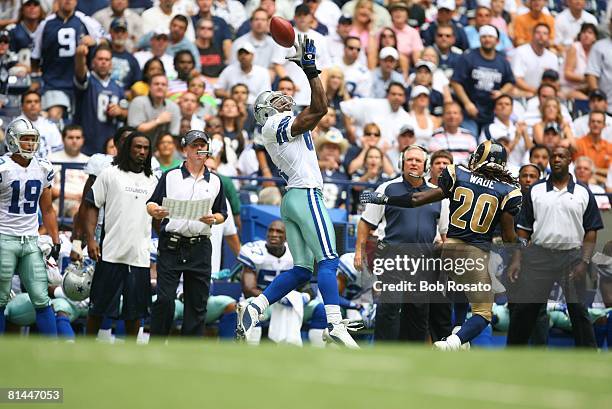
x,y
315,336
332,312
262,302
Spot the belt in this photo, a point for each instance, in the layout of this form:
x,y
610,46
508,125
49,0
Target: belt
x,y
187,240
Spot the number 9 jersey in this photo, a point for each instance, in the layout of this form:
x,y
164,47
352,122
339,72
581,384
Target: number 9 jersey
x,y
476,204
20,190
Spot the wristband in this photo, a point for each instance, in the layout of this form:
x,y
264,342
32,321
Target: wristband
x,y
311,72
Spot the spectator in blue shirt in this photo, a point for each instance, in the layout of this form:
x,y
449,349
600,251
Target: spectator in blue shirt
x,y
481,76
126,70
22,35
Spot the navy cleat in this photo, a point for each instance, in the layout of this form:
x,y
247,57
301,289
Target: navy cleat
x,y
249,316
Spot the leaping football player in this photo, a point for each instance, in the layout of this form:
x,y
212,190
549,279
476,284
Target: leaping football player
x,y
481,196
25,187
310,233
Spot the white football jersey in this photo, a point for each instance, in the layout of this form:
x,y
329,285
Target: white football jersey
x,y
354,283
295,156
20,190
255,255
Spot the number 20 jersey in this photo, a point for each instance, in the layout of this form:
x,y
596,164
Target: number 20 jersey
x,y
20,190
476,204
294,156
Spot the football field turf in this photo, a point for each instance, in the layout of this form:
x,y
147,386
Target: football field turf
x,y
211,375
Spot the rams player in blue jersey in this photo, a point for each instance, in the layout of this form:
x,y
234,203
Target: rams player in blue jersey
x,y
481,196
25,187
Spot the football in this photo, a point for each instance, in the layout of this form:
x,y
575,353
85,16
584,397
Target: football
x,y
282,32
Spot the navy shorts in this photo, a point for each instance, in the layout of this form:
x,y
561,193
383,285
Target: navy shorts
x,y
111,281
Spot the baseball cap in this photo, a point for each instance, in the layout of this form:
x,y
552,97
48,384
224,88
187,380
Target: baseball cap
x,y
388,52
551,75
484,3
31,1
248,47
405,129
161,31
4,34
118,24
597,94
193,135
302,10
552,126
427,64
488,30
419,90
446,4
344,19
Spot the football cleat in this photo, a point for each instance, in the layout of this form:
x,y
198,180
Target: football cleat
x,y
339,333
451,343
248,317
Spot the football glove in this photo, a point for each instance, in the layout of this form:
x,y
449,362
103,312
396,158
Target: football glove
x,y
373,197
55,251
305,51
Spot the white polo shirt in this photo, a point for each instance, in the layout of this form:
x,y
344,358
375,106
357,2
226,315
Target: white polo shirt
x,y
558,219
217,233
127,225
181,185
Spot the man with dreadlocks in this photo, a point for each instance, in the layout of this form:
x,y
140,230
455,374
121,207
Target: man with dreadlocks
x,y
480,198
122,267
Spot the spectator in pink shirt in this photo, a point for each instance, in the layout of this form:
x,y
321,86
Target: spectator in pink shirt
x,y
408,39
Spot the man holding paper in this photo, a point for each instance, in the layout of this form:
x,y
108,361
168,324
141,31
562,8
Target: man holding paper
x,y
188,200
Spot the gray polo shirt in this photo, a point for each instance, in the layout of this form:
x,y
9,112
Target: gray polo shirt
x,y
142,110
600,65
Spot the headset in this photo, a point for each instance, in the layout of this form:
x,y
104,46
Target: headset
x,y
400,164
198,135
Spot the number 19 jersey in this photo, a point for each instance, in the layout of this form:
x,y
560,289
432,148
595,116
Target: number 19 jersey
x,y
20,190
294,156
476,204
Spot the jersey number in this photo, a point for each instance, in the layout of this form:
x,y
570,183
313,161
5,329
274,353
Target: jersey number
x,y
104,100
482,214
66,38
31,195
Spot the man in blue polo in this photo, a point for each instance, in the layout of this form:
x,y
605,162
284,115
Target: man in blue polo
x,y
401,226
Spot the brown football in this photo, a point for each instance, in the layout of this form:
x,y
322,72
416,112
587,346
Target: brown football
x,y
282,31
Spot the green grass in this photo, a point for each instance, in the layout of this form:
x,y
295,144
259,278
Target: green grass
x,y
208,375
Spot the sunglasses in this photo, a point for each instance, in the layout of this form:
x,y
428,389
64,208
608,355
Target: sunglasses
x,y
445,35
353,48
206,28
387,36
371,134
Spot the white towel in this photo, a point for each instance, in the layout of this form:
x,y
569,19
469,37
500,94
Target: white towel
x,y
286,322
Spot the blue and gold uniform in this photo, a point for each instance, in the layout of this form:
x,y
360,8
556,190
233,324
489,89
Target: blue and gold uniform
x,y
476,204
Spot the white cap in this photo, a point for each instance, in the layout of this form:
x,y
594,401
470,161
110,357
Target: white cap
x,y
484,3
158,31
446,4
418,90
487,30
388,52
248,47
424,63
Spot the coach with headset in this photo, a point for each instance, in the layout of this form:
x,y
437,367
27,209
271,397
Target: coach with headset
x,y
414,230
184,245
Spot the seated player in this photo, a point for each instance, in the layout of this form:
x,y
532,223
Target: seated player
x,y
355,291
264,260
481,196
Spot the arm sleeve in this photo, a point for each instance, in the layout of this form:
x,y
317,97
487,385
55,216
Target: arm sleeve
x,y
591,219
526,219
232,196
461,69
594,64
447,180
160,191
444,217
512,202
229,227
175,122
99,190
219,205
244,256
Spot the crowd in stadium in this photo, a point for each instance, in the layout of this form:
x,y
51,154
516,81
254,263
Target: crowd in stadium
x,y
447,75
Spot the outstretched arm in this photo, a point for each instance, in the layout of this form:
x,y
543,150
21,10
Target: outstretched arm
x,y
406,200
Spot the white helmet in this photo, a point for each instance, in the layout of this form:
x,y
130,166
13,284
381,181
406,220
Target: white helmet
x,y
77,281
16,130
270,103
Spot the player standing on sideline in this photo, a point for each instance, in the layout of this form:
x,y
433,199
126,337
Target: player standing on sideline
x,y
480,198
310,233
25,185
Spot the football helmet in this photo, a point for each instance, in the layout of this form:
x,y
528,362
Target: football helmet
x,y
270,103
77,281
16,130
489,154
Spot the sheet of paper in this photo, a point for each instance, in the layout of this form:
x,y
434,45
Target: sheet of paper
x,y
186,209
